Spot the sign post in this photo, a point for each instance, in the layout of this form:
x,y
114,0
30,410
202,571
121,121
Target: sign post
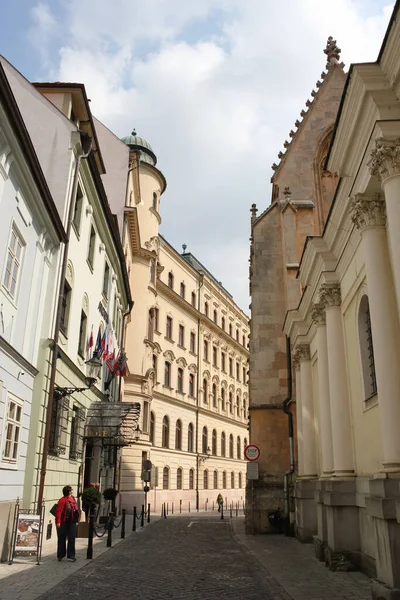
x,y
252,454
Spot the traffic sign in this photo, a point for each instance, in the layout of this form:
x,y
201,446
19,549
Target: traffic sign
x,y
252,471
146,489
147,465
252,452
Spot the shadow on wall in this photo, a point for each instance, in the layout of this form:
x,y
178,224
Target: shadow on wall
x,y
7,511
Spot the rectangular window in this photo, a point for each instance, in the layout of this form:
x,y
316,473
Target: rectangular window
x,y
170,280
231,367
223,363
156,316
205,350
191,385
194,299
181,340
182,291
168,332
13,263
65,306
145,424
180,380
59,425
92,244
192,342
77,433
82,335
12,431
244,374
214,356
78,210
237,371
215,317
106,280
167,374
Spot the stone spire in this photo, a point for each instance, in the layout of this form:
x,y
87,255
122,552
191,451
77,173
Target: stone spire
x,y
332,52
253,212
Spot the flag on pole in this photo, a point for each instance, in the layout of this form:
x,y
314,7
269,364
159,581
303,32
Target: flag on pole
x,y
98,348
122,365
110,362
90,341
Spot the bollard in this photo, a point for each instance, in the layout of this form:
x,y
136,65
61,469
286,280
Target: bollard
x,y
172,508
189,506
142,515
162,510
167,508
148,513
213,506
165,512
123,524
222,511
180,506
89,553
109,530
226,501
237,512
230,509
134,519
243,506
205,505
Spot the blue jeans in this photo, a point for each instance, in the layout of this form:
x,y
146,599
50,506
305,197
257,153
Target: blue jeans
x,y
66,533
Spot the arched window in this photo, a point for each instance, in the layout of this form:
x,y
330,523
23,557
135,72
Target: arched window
x,y
178,435
205,480
223,323
191,385
204,443
206,308
179,479
214,443
238,447
215,316
171,279
190,437
224,480
233,480
154,200
237,406
240,480
152,427
231,446
191,479
230,328
215,480
223,399
244,442
230,402
165,478
165,432
214,395
167,374
150,333
366,349
223,449
205,391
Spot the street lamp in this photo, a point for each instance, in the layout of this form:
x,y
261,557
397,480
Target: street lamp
x,y
93,369
138,433
205,456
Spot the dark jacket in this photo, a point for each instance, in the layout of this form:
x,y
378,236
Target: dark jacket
x,y
62,508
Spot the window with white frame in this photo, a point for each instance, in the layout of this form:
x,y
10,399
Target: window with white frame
x,y
12,430
12,271
366,349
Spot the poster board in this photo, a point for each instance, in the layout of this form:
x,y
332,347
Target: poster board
x,y
27,534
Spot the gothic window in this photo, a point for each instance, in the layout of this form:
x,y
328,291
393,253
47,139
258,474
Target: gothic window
x,y
214,395
179,479
152,428
232,480
205,480
178,435
238,447
214,443
165,432
215,480
223,439
190,437
165,478
204,440
191,479
224,480
366,348
231,446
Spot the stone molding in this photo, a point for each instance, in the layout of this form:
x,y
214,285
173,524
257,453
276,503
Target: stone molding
x,y
385,159
318,315
330,295
368,211
303,352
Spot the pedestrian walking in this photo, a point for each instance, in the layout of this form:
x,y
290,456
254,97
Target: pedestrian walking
x,y
67,517
220,501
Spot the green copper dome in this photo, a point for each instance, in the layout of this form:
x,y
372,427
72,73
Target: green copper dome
x,y
138,143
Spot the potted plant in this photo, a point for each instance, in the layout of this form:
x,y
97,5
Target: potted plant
x,y
90,496
110,494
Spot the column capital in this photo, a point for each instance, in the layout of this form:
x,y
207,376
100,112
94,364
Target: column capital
x,y
385,159
303,353
318,315
295,361
329,295
368,211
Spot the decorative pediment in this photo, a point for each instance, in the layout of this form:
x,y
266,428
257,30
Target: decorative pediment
x,y
169,355
238,393
215,379
245,396
181,361
206,375
192,368
153,244
231,387
224,384
157,348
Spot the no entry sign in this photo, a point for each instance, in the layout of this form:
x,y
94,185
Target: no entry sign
x,y
252,452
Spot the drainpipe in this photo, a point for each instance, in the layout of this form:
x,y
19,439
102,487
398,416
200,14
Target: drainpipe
x,y
286,410
198,392
86,143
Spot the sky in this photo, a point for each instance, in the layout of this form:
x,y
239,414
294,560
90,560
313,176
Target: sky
x,y
215,86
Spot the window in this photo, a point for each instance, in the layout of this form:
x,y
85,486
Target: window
x,y
155,360
215,480
77,433
230,328
192,342
194,299
223,323
82,335
231,402
214,356
92,244
223,399
13,264
214,443
154,200
223,361
205,480
167,374
366,349
206,308
244,341
215,316
181,336
231,367
59,425
153,270
152,428
170,280
237,335
223,449
238,448
244,442
224,480
150,333
191,479
233,480
165,478
180,380
237,406
156,318
191,385
178,435
240,480
244,374
168,332
65,307
182,290
205,391
179,479
204,440
165,432
214,395
106,279
190,437
12,431
237,371
231,446
76,221
205,350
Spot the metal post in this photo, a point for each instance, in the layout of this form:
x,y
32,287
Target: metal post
x,y
206,504
123,524
109,530
148,512
180,506
226,501
167,508
222,510
89,553
172,508
189,506
213,506
142,521
165,513
230,511
237,511
134,519
162,510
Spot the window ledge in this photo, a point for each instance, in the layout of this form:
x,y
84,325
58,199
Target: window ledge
x,y
180,393
167,387
9,465
169,339
370,402
192,353
181,347
192,397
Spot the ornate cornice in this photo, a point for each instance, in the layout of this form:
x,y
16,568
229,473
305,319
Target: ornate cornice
x,y
318,315
330,295
303,353
368,211
385,159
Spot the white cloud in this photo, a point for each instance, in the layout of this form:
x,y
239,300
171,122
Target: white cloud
x,y
42,31
215,86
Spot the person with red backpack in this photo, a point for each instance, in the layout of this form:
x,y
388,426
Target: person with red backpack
x,y
67,517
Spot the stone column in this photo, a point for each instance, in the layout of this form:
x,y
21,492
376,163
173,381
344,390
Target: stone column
x,y
296,367
368,213
343,461
307,413
319,318
385,165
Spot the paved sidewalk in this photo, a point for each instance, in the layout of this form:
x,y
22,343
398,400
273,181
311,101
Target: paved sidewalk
x,y
294,566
